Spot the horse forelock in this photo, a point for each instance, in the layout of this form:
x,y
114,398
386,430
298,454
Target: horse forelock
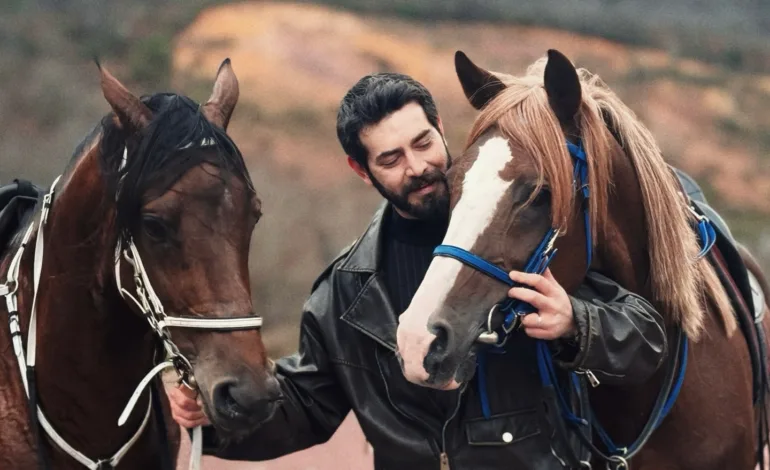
x,y
523,115
177,139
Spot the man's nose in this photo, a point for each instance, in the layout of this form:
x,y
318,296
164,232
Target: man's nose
x,y
416,165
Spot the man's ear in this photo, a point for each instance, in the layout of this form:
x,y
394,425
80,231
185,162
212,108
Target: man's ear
x,y
360,171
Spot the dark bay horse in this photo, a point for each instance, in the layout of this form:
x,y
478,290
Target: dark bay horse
x,y
138,255
512,185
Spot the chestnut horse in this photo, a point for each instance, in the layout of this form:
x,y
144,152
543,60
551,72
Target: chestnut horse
x,y
514,184
138,254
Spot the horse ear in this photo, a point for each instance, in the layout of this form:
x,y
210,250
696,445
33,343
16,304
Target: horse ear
x,y
562,86
479,85
130,110
221,104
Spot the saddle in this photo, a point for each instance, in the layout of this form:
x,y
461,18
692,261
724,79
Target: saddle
x,y
17,202
747,298
742,286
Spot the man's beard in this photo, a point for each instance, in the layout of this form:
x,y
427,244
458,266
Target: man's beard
x,y
434,206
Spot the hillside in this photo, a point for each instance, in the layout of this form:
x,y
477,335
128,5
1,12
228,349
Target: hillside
x,y
296,61
695,71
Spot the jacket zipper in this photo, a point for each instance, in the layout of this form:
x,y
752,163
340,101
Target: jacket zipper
x,y
590,376
444,457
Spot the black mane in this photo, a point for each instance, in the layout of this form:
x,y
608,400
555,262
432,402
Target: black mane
x,y
171,144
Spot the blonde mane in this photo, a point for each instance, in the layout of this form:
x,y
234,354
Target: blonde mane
x,y
682,287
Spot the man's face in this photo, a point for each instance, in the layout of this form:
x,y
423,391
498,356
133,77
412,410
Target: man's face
x,y
408,159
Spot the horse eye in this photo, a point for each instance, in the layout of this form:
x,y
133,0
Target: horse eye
x,y
542,198
154,227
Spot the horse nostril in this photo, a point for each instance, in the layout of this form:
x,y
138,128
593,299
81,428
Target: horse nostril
x,y
273,390
242,399
439,349
440,343
223,399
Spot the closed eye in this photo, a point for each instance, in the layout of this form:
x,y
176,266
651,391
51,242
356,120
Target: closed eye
x,y
155,228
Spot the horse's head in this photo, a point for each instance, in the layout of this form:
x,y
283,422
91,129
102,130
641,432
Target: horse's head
x,y
185,209
514,183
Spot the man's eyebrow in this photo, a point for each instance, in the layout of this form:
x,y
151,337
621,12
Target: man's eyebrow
x,y
394,151
420,136
388,153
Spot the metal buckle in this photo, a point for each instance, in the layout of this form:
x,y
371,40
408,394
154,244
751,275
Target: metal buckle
x,y
46,208
699,217
5,290
184,370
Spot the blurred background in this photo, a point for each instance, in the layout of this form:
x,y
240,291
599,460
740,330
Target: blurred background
x,y
696,71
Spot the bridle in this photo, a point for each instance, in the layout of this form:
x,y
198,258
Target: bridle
x,y
149,305
514,309
616,457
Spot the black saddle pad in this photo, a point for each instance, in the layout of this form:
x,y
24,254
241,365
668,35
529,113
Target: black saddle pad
x,y
17,202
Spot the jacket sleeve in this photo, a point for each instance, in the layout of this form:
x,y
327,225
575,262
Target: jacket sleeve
x,y
621,338
312,409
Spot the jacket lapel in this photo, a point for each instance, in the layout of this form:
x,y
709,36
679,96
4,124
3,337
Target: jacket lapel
x,y
371,311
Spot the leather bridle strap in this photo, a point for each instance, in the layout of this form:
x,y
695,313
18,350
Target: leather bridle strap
x,y
26,361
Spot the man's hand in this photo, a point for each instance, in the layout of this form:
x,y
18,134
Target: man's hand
x,y
554,318
185,409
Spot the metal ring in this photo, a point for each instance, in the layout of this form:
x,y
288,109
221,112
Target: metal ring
x,y
184,370
489,317
515,324
616,462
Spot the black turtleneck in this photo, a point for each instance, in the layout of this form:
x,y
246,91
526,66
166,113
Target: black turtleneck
x,y
407,253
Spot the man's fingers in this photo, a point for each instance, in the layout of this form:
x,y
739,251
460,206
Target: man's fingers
x,y
189,405
540,333
191,415
183,399
536,320
187,414
185,409
539,282
187,391
190,424
534,298
188,419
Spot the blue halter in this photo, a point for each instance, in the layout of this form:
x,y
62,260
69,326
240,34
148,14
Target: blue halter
x,y
513,309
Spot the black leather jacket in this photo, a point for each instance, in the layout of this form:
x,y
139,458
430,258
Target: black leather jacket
x,y
346,361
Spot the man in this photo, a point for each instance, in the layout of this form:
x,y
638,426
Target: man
x,y
389,127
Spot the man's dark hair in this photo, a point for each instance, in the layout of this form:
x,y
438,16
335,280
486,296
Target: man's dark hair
x,y
372,99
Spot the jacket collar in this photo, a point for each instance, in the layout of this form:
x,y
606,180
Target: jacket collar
x,y
371,312
366,254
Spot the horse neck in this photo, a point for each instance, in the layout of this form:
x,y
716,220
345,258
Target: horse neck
x,y
622,254
622,250
91,349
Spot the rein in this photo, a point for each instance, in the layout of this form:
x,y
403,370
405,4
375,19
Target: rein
x,y
513,309
148,304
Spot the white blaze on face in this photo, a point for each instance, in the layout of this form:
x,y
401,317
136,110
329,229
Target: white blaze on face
x,y
482,190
